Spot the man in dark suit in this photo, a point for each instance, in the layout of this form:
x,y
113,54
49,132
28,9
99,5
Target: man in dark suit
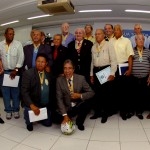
x,y
35,90
73,95
59,53
79,51
30,51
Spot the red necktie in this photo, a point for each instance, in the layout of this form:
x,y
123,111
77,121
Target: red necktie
x,y
55,54
79,47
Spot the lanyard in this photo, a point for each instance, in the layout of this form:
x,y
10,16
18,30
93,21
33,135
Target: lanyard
x,y
140,52
100,46
65,37
6,48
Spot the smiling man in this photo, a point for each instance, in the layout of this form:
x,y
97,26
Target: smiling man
x,y
73,96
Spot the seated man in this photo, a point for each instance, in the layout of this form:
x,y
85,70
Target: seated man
x,y
35,90
73,95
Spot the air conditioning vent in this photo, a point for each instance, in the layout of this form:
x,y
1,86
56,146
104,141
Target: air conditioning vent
x,y
56,8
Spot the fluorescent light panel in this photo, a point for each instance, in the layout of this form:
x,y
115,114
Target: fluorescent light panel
x,y
4,24
98,10
35,17
138,11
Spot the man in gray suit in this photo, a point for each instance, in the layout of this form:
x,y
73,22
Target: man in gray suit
x,y
73,95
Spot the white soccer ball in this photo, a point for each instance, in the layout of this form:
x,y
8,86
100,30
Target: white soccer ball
x,y
68,128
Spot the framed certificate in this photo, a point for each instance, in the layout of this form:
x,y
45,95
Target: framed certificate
x,y
103,75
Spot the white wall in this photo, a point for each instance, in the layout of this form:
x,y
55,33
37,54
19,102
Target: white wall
x,y
22,34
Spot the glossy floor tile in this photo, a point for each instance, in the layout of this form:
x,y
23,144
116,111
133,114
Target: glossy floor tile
x,y
115,134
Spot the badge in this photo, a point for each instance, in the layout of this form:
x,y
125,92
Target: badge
x,y
63,42
46,81
140,59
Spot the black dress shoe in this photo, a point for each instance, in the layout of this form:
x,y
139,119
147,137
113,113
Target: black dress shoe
x,y
104,119
81,127
1,121
129,115
140,116
124,117
30,127
94,116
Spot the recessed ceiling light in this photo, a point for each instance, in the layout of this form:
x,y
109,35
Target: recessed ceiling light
x,y
4,24
138,11
99,10
35,17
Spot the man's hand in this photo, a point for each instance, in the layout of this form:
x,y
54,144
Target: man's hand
x,y
35,109
48,69
66,119
111,77
128,73
148,81
13,74
92,79
75,95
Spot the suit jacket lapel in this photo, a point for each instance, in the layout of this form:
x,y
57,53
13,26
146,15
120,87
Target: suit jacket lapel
x,y
75,83
83,47
64,82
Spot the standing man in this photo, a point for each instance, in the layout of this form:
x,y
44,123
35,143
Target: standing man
x,y
59,53
12,57
88,33
141,76
73,96
103,55
109,32
35,90
124,54
31,51
67,37
79,51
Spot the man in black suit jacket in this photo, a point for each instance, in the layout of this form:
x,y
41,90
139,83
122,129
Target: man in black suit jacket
x,y
59,53
35,90
79,51
30,51
73,95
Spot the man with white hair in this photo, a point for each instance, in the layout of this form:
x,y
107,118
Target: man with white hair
x,y
79,51
67,37
137,31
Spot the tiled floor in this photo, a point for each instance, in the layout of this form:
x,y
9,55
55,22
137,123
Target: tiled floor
x,y
116,134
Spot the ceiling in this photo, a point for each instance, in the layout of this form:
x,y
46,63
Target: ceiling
x,y
11,10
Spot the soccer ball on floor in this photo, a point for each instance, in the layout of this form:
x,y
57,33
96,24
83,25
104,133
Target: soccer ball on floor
x,y
68,128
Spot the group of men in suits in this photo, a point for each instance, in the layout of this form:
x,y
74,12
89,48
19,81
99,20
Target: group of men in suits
x,y
60,99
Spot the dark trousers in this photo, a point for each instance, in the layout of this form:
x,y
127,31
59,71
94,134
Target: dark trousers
x,y
123,89
104,104
80,110
141,92
46,122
